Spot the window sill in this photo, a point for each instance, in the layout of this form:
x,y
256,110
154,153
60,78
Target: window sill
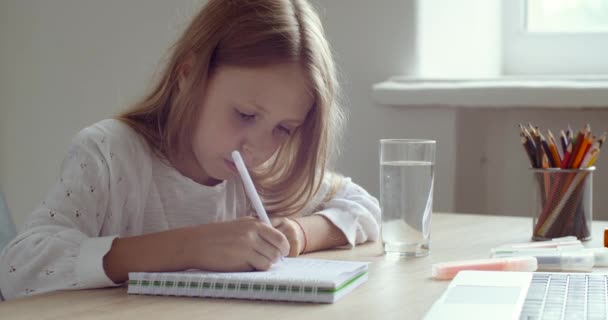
x,y
580,92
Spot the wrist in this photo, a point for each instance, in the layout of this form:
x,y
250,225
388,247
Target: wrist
x,y
134,254
302,237
185,244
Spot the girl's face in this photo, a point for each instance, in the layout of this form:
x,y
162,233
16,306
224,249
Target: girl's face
x,y
253,110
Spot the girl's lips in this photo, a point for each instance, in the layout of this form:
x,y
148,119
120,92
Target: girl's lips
x,y
231,166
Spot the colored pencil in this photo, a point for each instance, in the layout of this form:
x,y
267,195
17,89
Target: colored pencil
x,y
562,194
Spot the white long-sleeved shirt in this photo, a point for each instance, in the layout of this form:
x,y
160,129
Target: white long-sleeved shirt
x,y
113,185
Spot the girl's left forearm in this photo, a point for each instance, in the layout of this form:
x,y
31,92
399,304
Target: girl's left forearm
x,y
321,233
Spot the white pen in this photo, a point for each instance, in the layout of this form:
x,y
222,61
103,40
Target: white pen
x,y
581,260
250,188
507,251
580,256
556,242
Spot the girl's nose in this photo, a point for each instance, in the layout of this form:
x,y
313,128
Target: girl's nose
x,y
255,147
247,153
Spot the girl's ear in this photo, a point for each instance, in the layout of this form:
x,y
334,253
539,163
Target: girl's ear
x,y
185,71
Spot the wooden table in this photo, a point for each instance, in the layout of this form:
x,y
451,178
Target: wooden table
x,y
398,288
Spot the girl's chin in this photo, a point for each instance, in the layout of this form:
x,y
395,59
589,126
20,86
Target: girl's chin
x,y
212,181
222,175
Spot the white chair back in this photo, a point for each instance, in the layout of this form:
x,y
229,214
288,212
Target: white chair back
x,y
7,226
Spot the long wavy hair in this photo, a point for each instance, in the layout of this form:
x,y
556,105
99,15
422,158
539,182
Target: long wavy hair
x,y
250,33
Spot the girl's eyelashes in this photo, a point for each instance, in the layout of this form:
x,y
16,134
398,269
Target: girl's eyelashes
x,y
244,116
248,117
284,130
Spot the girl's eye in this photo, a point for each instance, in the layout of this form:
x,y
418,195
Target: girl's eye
x,y
284,130
245,116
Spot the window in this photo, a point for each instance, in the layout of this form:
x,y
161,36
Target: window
x,y
555,37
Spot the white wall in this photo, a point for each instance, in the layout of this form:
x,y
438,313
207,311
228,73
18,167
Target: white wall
x,y
459,39
493,175
374,40
66,64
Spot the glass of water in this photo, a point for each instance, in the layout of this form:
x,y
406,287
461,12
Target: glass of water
x,y
406,195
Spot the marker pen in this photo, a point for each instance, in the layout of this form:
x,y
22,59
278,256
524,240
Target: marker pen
x,y
250,190
558,261
600,256
448,270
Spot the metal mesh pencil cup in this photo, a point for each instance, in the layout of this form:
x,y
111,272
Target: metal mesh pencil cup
x,y
562,203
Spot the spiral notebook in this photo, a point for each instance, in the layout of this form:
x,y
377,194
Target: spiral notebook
x,y
294,279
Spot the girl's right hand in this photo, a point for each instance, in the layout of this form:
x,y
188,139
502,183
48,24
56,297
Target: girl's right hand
x,y
241,245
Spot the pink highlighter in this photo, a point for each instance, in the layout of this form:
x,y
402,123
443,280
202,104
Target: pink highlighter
x,y
448,270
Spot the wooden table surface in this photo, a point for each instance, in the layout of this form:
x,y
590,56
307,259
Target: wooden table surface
x,y
398,288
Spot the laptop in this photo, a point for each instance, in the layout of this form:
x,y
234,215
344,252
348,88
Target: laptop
x,y
523,295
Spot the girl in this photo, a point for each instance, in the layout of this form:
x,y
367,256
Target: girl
x,y
156,190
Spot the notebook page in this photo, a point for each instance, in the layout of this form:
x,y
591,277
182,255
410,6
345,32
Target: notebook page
x,y
311,268
291,270
299,279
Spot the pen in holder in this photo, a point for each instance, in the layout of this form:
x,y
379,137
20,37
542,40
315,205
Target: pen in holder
x,y
562,203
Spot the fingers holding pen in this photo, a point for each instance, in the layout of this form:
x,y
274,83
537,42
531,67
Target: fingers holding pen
x,y
294,233
264,247
276,239
238,245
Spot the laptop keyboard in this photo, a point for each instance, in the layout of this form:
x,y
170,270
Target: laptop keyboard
x,y
566,296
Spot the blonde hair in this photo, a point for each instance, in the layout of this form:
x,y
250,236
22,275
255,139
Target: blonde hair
x,y
250,33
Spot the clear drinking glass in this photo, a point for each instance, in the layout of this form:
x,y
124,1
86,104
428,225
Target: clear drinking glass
x,y
406,195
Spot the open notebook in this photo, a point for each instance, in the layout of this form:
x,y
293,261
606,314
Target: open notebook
x,y
294,279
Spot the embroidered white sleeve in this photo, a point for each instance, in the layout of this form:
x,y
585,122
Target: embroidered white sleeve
x,y
353,210
58,247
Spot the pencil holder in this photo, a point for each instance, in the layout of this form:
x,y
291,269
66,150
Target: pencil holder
x,y
562,203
